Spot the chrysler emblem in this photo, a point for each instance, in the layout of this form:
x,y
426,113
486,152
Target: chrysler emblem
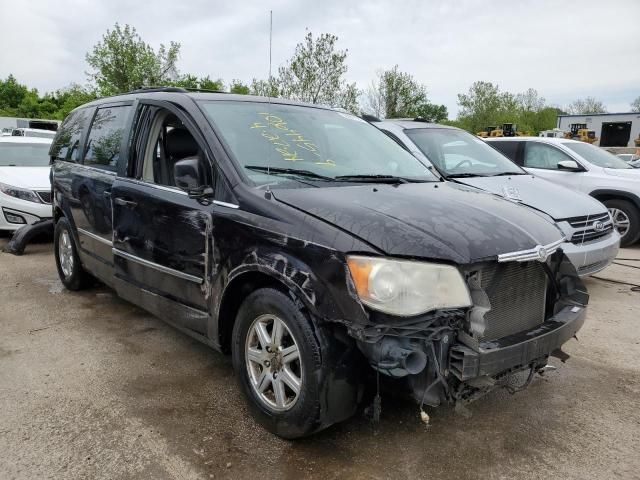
x,y
542,253
598,226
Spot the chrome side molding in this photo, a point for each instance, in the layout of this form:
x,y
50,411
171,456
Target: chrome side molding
x,y
158,267
95,237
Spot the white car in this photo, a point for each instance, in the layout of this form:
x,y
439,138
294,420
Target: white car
x,y
33,132
631,158
463,158
586,168
25,187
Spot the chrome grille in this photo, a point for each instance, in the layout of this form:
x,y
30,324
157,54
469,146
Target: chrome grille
x,y
45,196
587,226
517,293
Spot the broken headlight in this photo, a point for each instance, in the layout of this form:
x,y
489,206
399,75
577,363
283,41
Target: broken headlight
x,y
20,193
406,288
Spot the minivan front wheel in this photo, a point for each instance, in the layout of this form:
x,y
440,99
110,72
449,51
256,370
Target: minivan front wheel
x,y
278,358
626,219
272,358
70,270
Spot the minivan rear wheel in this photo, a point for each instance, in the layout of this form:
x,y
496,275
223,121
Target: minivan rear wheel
x,y
626,219
70,270
278,358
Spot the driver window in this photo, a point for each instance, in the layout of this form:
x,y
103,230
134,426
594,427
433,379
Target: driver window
x,y
540,155
169,142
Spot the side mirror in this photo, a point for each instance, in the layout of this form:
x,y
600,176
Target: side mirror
x,y
570,165
186,174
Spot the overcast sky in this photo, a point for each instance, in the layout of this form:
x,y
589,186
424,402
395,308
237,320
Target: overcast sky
x,y
564,49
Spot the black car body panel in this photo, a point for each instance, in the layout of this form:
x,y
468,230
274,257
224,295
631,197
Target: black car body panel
x,y
440,221
191,258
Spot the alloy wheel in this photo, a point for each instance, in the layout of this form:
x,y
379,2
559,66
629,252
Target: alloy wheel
x,y
65,253
620,220
273,362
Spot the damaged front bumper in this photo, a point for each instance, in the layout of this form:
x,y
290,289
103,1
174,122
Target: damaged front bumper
x,y
519,350
447,356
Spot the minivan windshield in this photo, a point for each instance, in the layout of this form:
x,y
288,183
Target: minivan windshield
x,y
597,156
279,144
456,153
24,154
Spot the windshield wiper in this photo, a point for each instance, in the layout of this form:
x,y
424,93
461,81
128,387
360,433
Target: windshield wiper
x,y
289,171
465,175
378,179
506,174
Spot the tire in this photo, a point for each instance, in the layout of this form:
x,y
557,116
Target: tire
x,y
320,400
620,209
70,270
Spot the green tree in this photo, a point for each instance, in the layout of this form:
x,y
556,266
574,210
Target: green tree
x,y
432,112
485,105
635,105
238,87
17,100
532,113
586,106
397,94
265,88
315,74
12,94
70,97
192,81
122,61
480,106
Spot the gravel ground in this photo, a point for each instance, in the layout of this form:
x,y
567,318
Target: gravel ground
x,y
93,387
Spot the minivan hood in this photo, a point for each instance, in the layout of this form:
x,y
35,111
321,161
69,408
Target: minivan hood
x,y
440,220
557,201
32,178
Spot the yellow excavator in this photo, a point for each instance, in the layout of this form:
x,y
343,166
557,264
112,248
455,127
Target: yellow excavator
x,y
506,130
579,131
489,132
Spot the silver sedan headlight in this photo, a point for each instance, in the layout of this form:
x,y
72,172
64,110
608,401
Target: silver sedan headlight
x,y
20,193
405,287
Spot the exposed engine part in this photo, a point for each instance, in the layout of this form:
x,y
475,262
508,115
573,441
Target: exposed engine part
x,y
396,357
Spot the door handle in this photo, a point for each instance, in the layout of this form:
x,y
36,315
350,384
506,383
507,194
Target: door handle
x,y
125,203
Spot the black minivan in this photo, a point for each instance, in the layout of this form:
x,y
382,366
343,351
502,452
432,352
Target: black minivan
x,y
310,246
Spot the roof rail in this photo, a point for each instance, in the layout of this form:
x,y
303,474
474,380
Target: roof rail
x,y
204,90
370,118
161,88
157,89
422,119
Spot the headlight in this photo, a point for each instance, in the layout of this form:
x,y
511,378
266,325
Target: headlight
x,y
406,288
20,193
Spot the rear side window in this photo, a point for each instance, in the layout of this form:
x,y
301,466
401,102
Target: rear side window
x,y
508,149
66,145
105,137
541,155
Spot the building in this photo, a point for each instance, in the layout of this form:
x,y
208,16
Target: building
x,y
612,129
7,124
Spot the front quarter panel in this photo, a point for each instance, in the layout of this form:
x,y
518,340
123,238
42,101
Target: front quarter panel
x,y
298,251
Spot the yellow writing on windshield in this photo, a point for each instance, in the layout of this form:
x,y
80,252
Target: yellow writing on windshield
x,y
287,141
